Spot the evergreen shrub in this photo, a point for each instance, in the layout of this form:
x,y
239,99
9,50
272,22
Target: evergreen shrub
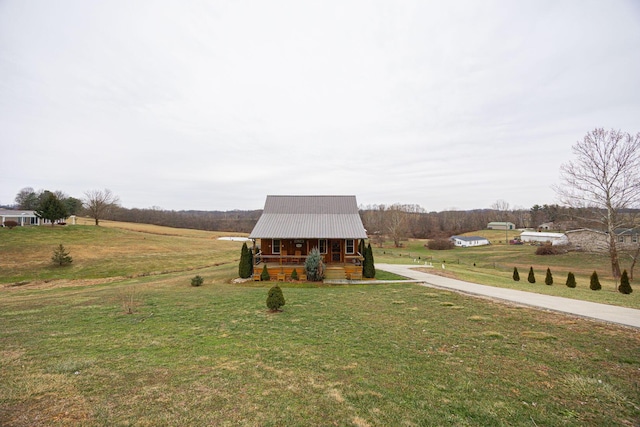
x,y
571,280
264,276
275,298
625,286
595,282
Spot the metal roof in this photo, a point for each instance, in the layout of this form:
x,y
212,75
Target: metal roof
x,y
469,238
309,217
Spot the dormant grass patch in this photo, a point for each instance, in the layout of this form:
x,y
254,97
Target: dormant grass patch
x,y
369,355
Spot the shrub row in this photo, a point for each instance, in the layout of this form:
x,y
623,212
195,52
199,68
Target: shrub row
x,y
594,282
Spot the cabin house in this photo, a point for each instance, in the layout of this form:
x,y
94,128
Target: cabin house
x,y
497,225
291,226
469,241
544,237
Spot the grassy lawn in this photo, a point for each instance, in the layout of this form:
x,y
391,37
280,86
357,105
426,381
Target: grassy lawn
x,y
493,265
365,355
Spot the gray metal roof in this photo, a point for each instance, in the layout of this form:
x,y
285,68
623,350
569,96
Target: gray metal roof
x,y
309,217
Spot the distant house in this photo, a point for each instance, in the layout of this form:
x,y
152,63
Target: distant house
x,y
627,237
468,241
497,225
21,217
588,240
291,226
546,226
598,241
543,237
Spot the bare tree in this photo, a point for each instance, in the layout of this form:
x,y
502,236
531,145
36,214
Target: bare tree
x,y
396,224
604,177
99,202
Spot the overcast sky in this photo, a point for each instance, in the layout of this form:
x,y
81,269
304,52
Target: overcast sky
x,y
212,105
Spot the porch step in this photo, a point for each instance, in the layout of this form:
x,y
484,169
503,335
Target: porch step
x,y
334,273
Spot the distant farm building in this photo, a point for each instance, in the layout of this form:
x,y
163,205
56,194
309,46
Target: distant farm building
x,y
496,225
469,241
544,237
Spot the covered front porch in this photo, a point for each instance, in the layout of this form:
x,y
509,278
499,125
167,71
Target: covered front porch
x,y
281,256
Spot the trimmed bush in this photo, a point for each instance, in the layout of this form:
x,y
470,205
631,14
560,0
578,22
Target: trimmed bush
x,y
625,286
571,280
532,277
264,276
197,281
275,298
294,274
516,275
61,257
10,224
595,282
440,244
548,280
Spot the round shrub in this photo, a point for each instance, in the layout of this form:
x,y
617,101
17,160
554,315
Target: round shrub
x,y
275,298
197,281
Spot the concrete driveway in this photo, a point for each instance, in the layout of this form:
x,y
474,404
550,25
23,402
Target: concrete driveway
x,y
603,312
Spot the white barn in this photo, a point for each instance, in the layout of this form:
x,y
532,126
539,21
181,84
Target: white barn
x,y
543,237
469,241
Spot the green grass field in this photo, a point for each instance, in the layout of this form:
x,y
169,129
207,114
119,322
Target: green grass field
x,y
365,355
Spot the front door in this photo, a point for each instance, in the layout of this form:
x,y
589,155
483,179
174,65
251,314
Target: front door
x,y
336,252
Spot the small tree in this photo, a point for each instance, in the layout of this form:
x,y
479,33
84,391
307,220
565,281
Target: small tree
x,y
595,282
275,299
264,276
625,286
197,281
516,275
571,280
368,267
61,257
532,277
548,280
294,274
314,266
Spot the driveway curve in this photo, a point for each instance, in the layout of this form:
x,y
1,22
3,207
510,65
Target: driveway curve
x,y
603,312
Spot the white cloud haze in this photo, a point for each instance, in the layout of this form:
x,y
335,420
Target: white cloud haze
x,y
213,105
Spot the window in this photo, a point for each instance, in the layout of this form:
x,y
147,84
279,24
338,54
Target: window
x,y
349,247
621,239
323,246
634,239
276,246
